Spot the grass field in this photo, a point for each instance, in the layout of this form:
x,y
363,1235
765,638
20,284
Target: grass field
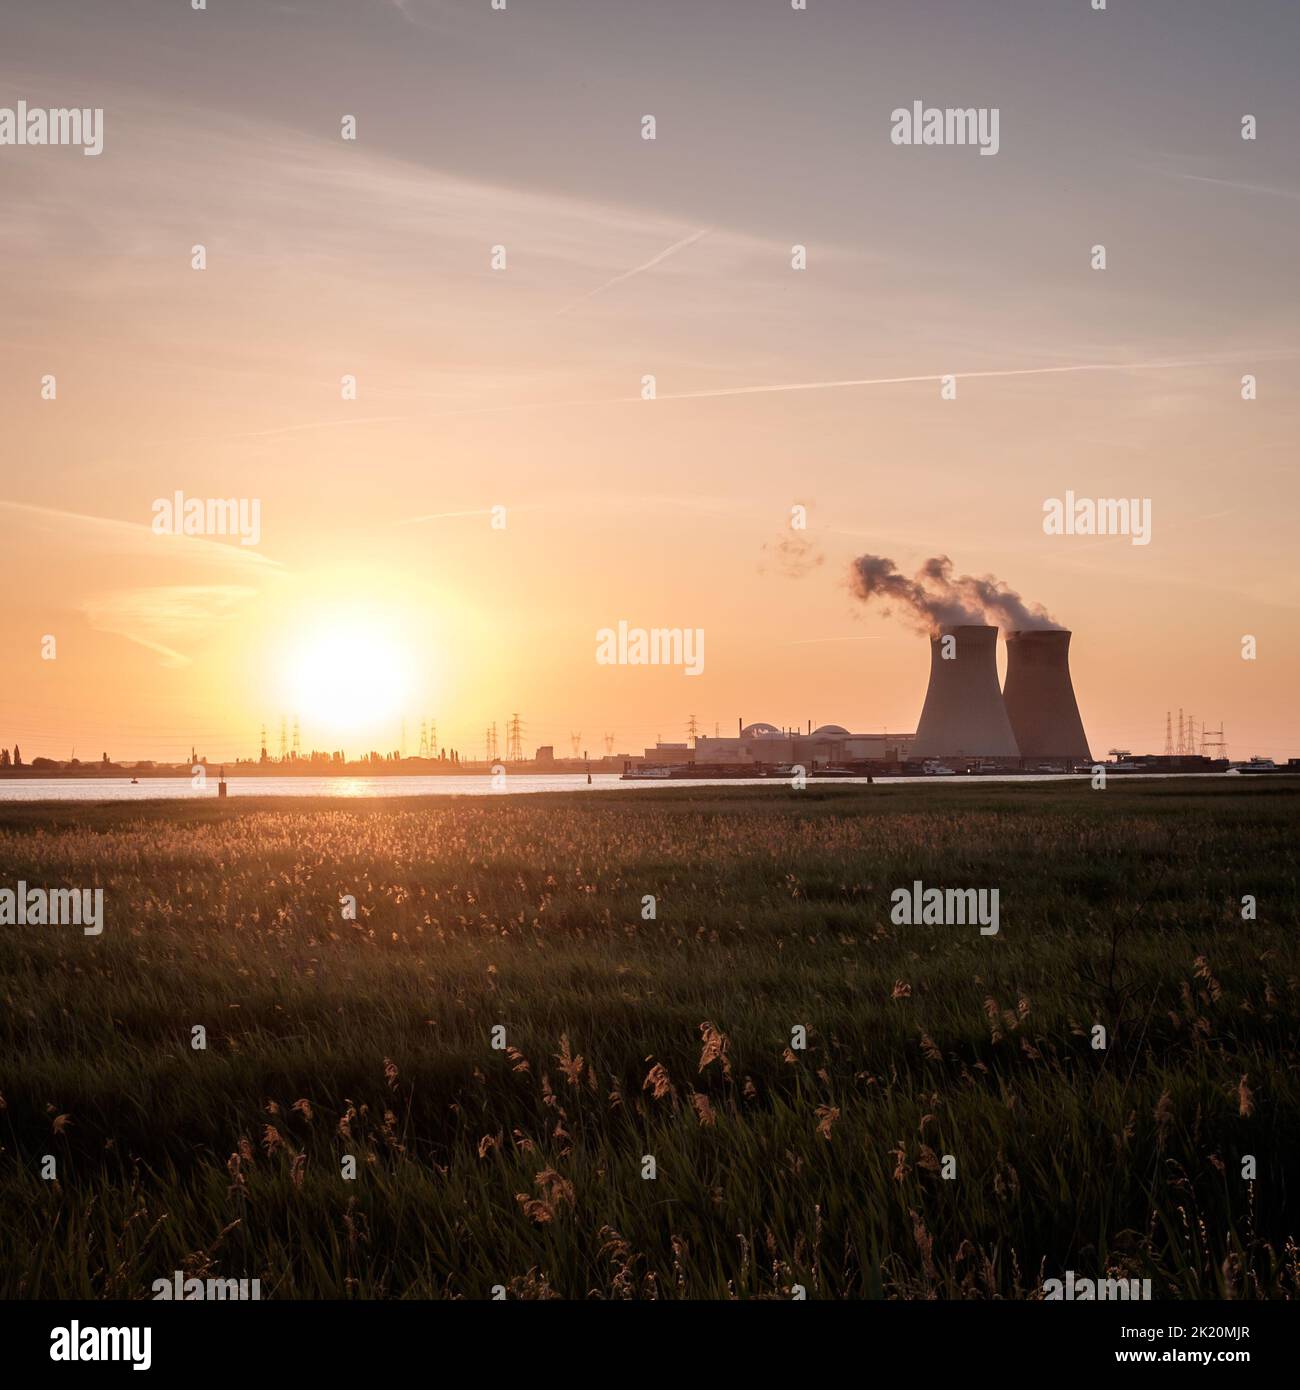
x,y
670,1037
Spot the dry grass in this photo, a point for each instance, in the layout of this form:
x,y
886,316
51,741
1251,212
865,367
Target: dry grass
x,y
669,1038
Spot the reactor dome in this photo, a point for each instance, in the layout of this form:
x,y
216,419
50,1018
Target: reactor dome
x,y
829,731
761,731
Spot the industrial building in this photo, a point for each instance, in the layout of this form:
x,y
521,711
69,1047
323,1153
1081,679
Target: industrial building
x,y
1039,697
968,722
964,715
1032,720
827,746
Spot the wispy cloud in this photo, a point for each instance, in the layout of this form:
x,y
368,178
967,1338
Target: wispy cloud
x,y
108,535
167,617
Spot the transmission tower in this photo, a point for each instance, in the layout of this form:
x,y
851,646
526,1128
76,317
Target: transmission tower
x,y
263,745
297,741
424,739
433,739
284,739
1182,735
514,740
1212,742
1169,734
576,741
692,730
1191,736
609,743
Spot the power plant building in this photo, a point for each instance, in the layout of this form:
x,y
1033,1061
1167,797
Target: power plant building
x,y
827,746
1039,696
964,715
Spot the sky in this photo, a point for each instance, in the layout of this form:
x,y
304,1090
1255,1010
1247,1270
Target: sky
x,y
384,588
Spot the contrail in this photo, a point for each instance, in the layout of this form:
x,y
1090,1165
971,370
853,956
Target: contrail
x,y
930,376
636,270
572,404
476,511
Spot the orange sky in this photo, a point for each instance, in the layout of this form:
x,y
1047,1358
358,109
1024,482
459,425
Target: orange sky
x,y
520,387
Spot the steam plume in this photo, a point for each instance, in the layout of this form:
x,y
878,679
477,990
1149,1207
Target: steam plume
x,y
935,597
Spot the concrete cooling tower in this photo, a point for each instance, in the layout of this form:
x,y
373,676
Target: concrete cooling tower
x,y
1039,696
964,715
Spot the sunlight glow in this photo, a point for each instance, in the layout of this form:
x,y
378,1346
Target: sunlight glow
x,y
348,679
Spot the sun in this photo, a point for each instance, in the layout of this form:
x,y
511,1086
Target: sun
x,y
348,677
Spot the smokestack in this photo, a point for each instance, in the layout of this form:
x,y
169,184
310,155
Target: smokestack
x,y
964,715
1039,696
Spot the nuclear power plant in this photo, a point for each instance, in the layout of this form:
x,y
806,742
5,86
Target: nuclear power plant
x,y
1039,696
964,715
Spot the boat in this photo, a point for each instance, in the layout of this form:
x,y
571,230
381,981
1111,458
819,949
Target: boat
x,y
643,774
936,769
1256,764
135,781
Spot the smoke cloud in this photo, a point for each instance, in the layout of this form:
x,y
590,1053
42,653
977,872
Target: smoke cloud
x,y
935,597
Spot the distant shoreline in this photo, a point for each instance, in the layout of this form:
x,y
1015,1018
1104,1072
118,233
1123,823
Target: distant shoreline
x,y
96,772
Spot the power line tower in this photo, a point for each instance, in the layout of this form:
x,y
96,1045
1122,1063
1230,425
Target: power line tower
x,y
609,743
284,740
433,739
1169,734
297,741
424,739
575,741
514,740
692,730
1212,742
1182,735
1191,736
262,758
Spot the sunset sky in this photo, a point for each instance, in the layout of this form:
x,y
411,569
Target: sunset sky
x,y
520,388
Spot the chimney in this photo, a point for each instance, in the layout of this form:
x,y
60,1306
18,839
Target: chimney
x,y
963,714
1039,696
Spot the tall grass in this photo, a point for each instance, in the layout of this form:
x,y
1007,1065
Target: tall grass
x,y
628,1037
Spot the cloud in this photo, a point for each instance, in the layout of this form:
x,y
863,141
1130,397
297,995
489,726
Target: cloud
x,y
106,535
166,617
793,556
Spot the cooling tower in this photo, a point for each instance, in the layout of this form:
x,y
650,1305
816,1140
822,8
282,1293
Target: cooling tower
x,y
964,715
1039,696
